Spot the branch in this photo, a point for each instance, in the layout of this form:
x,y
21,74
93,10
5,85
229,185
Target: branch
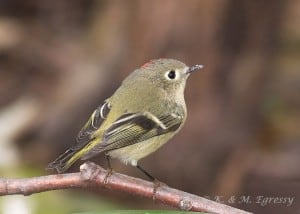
x,y
92,175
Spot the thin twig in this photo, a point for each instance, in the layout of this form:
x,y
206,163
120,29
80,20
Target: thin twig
x,y
92,175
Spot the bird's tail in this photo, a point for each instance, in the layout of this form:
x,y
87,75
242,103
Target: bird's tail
x,y
67,159
64,161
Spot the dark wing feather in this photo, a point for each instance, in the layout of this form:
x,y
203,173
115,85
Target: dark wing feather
x,y
86,133
133,128
130,131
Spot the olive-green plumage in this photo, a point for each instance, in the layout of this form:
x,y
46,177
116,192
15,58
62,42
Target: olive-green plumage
x,y
143,114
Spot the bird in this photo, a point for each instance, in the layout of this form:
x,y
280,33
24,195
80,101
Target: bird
x,y
143,114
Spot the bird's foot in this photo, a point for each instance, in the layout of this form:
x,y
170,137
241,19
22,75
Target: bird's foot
x,y
108,174
156,185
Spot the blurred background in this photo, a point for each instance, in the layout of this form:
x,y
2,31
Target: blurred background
x,y
60,59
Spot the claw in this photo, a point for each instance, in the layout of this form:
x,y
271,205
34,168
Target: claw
x,y
108,174
156,185
109,170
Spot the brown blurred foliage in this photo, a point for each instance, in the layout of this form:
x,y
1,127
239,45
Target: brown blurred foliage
x,y
242,134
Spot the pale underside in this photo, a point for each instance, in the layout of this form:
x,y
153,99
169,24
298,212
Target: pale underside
x,y
131,154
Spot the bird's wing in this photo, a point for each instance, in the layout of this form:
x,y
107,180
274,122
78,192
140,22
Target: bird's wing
x,y
133,128
86,133
85,136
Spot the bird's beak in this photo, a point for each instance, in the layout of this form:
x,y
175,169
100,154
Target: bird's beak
x,y
194,68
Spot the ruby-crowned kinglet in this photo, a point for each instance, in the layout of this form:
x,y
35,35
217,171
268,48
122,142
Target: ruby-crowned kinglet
x,y
145,112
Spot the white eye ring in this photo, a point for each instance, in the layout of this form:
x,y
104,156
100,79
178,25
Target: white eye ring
x,y
171,75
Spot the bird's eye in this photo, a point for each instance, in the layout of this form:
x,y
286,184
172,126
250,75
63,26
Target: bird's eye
x,y
172,74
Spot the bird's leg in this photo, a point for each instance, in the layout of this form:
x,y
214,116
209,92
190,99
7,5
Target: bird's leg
x,y
146,173
109,169
155,181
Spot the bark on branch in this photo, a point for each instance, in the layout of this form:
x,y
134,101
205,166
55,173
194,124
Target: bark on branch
x,y
92,175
